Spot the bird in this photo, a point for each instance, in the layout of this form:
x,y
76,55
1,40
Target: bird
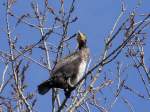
x,y
69,70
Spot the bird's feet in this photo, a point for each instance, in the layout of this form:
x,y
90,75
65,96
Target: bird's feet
x,y
68,91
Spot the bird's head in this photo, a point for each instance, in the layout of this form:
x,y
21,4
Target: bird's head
x,y
81,38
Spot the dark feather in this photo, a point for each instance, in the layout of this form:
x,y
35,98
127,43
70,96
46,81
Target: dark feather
x,y
67,60
64,69
44,87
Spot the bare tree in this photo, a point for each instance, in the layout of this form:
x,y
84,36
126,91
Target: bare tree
x,y
53,42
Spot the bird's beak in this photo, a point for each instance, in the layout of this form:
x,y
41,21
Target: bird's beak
x,y
81,37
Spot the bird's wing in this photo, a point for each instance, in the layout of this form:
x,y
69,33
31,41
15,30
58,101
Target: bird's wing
x,y
68,65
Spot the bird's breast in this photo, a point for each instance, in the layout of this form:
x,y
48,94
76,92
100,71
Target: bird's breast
x,y
81,70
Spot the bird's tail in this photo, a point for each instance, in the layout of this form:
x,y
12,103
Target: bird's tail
x,y
44,87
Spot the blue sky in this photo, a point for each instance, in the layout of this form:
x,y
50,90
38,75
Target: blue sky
x,y
96,19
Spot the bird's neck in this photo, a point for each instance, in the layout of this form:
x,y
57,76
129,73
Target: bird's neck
x,y
82,45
